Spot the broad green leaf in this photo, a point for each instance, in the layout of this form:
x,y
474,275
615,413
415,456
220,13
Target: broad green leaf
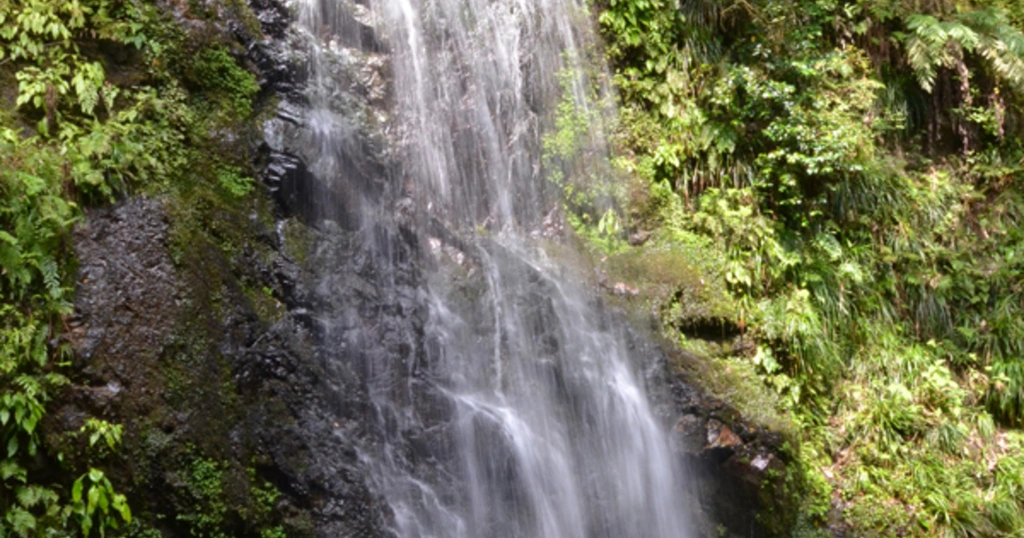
x,y
121,505
28,496
86,524
29,424
103,500
93,499
76,491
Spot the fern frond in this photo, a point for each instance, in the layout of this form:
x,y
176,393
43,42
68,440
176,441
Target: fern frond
x,y
931,46
1001,44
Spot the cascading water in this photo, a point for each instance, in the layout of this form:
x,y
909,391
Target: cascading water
x,y
547,431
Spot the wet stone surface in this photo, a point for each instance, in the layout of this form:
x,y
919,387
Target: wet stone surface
x,y
185,376
170,344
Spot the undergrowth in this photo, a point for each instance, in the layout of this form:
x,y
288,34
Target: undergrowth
x,y
100,100
834,187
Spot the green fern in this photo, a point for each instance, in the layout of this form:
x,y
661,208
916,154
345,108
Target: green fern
x,y
935,44
1001,43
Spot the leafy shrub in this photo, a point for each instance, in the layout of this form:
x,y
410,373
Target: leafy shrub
x,y
857,166
81,136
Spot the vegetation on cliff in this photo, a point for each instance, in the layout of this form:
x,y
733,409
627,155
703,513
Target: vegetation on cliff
x,y
100,99
848,173
823,197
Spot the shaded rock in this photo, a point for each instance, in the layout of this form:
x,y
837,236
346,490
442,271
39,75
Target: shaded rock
x,y
191,379
740,469
689,433
128,294
638,238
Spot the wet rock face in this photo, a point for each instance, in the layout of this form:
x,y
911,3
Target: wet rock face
x,y
188,376
739,469
171,342
129,294
324,152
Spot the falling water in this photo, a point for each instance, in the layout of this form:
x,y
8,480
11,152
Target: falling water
x,y
547,430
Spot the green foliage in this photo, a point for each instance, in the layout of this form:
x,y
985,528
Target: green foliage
x,y
264,498
137,530
102,104
94,503
99,430
88,141
575,161
934,43
233,182
34,221
605,236
216,71
214,506
856,166
204,481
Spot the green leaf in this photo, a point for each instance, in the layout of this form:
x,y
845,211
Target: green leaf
x,y
28,496
12,446
86,525
21,521
104,500
121,505
9,469
29,424
93,499
33,184
76,491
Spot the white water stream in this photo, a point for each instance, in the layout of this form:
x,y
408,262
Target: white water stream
x,y
552,435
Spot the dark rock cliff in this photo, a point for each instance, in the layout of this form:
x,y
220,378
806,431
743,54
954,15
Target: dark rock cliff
x,y
238,345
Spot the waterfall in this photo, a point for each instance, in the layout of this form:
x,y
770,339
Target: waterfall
x,y
538,420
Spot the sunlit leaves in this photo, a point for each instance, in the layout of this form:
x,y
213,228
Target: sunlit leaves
x,y
935,43
95,503
103,430
877,267
43,37
87,82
